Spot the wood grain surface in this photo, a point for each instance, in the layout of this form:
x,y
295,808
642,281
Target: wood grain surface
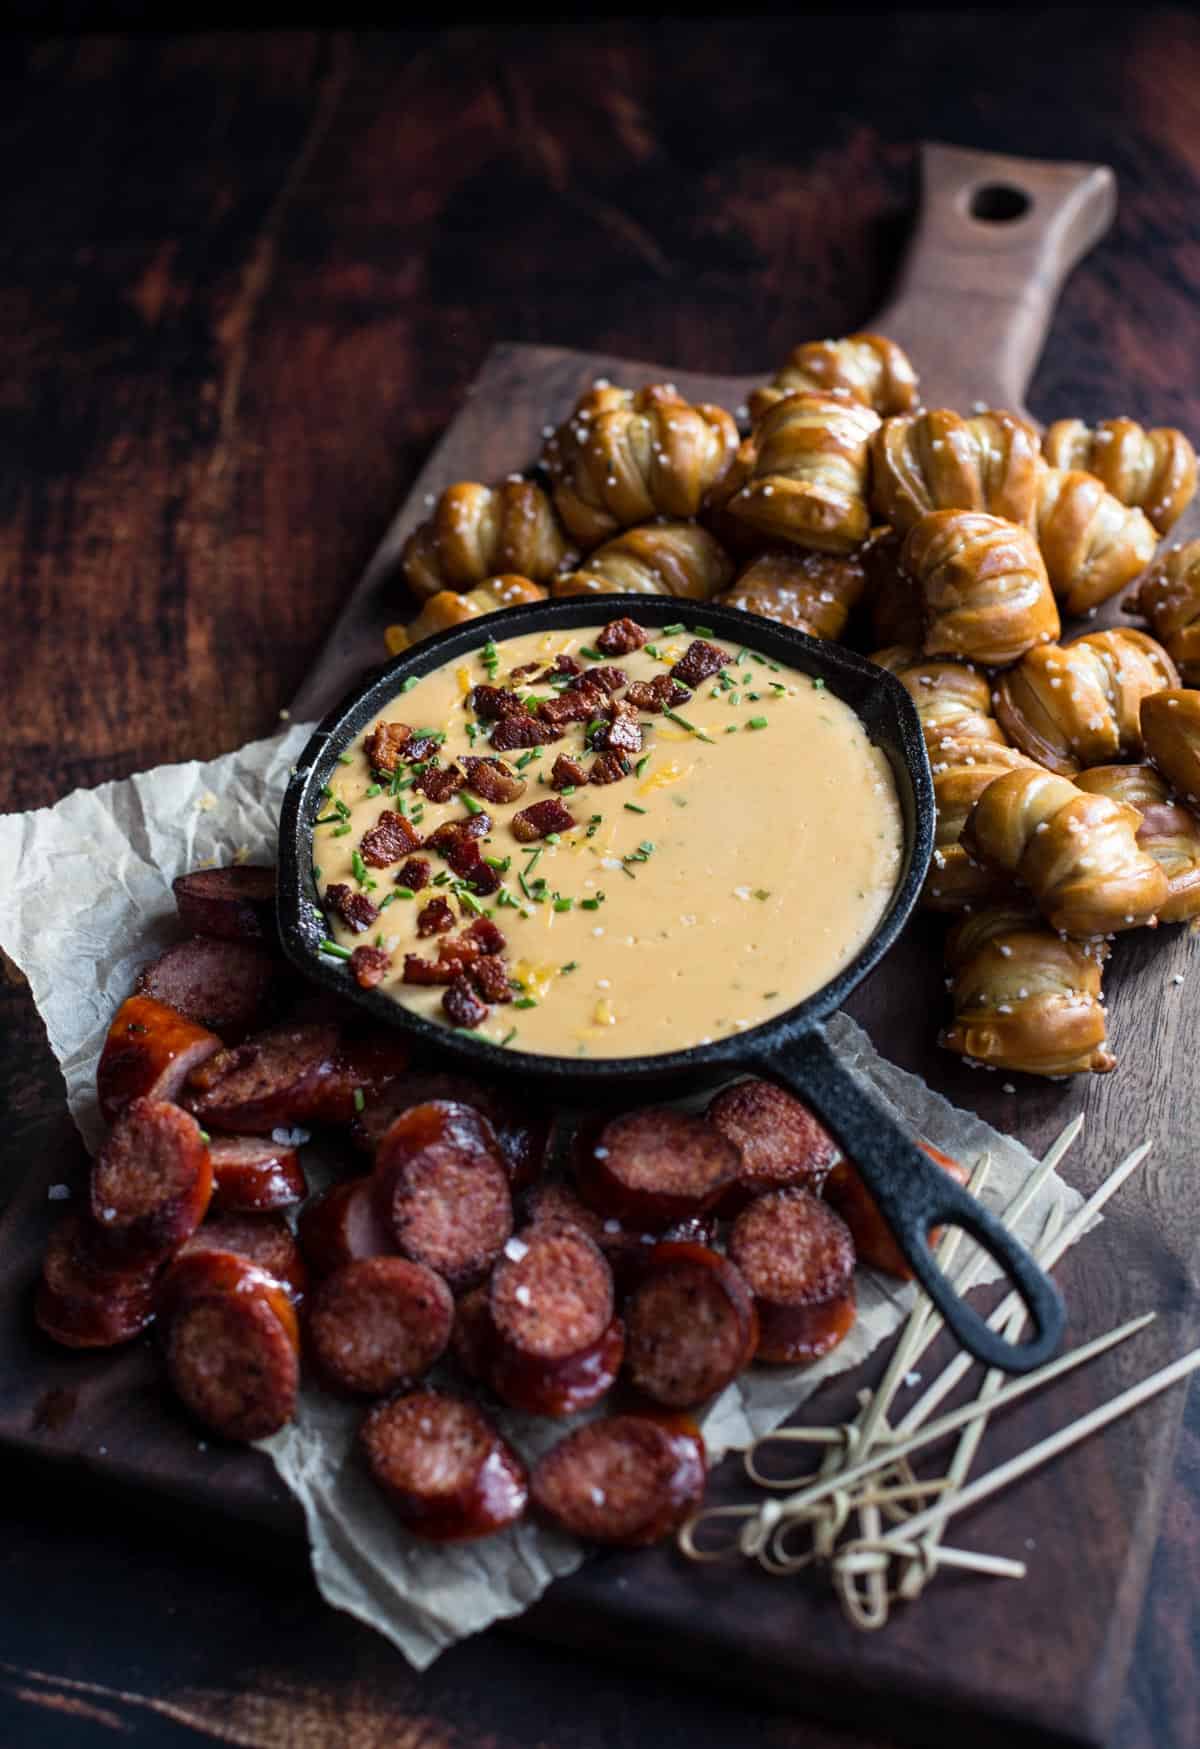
x,y
244,293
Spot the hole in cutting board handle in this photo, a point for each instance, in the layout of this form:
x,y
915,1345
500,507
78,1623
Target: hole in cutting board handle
x,y
998,203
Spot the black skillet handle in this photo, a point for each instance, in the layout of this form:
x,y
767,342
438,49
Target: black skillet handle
x,y
915,1196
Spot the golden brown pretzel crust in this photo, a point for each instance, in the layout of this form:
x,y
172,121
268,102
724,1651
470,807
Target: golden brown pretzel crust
x,y
808,484
963,766
477,532
1077,853
625,456
941,461
983,587
1171,737
448,609
1154,471
1093,544
1169,597
867,368
660,558
811,592
1078,704
1024,998
952,698
1168,832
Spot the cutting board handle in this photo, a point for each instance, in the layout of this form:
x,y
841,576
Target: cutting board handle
x,y
995,239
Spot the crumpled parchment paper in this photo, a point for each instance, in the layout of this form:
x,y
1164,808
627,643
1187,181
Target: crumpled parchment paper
x,y
85,899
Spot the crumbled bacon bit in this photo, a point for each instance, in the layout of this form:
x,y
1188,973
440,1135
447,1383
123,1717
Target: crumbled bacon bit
x,y
660,694
452,833
420,971
623,732
541,819
414,875
611,679
487,936
462,1006
493,702
575,704
457,955
519,729
525,671
435,918
621,637
698,661
562,664
355,909
609,768
388,840
385,745
567,773
440,782
490,977
493,780
370,966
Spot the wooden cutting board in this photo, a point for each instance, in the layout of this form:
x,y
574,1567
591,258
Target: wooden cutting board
x,y
1041,1660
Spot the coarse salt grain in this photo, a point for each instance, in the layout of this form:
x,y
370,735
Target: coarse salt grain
x,y
515,1249
522,1294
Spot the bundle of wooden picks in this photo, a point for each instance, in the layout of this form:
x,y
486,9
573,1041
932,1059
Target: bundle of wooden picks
x,y
863,1514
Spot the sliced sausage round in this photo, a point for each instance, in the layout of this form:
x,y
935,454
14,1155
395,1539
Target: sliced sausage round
x,y
779,1139
270,1082
652,1168
264,1239
443,1191
874,1241
231,1344
558,1347
228,986
233,904
252,1174
342,1226
152,1180
522,1130
379,1324
86,1298
625,1480
626,1248
798,1260
446,1470
690,1325
149,1052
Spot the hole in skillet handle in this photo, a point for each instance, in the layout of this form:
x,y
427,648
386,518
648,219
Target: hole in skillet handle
x,y
998,203
915,1196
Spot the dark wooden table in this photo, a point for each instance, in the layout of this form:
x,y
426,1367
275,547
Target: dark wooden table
x,y
245,281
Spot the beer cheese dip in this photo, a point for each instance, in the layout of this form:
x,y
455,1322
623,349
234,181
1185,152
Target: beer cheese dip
x,y
743,851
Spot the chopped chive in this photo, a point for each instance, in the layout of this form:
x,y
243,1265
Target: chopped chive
x,y
402,893
626,870
571,966
641,765
469,902
762,893
472,731
568,790
373,789
525,759
326,792
651,650
774,667
472,1032
735,697
690,727
345,759
755,657
732,729
388,899
767,994
470,804
704,631
777,686
757,723
407,685
327,820
441,879
563,904
589,904
633,808
525,1002
501,864
343,810
679,801
509,1036
359,868
754,696
340,831
591,654
593,824
670,631
359,1099
554,838
316,872
647,845
818,685
335,948
747,677
205,1137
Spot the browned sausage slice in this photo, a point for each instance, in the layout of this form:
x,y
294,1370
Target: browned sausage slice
x,y
232,1344
522,1129
365,1064
690,1325
264,1239
379,1324
442,1189
273,1081
343,1225
234,904
652,1168
558,1347
445,1469
626,1480
85,1298
798,1259
228,986
152,1180
252,1174
873,1239
626,1248
149,1052
778,1137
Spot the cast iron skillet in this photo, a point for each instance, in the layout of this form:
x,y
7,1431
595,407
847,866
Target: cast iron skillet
x,y
913,1194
